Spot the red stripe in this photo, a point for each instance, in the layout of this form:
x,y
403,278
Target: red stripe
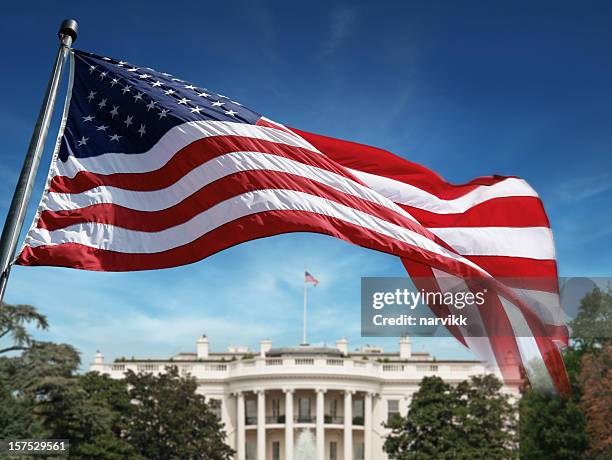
x,y
516,267
189,158
214,193
517,211
383,163
238,231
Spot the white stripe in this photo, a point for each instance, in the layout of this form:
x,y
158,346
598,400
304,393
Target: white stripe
x,y
171,142
410,195
207,173
528,242
119,239
531,357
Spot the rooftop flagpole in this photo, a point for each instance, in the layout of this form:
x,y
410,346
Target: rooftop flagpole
x,y
304,337
23,190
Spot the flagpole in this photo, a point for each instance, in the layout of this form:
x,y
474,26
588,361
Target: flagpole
x,y
304,342
23,189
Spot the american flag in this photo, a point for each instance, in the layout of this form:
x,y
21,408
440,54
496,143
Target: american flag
x,y
150,172
308,278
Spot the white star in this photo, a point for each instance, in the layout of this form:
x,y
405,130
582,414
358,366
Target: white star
x,y
115,137
138,97
83,141
203,94
231,113
102,103
142,130
115,111
121,63
156,83
101,128
217,104
144,76
163,113
88,118
151,105
170,92
196,109
189,87
92,68
106,59
133,69
114,81
184,101
126,89
103,75
91,95
128,121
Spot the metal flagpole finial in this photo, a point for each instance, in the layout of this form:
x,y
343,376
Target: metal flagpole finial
x,y
69,27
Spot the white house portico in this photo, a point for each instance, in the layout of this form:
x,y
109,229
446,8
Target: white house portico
x,y
330,401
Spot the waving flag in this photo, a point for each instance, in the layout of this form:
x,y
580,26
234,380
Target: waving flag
x,y
308,278
152,172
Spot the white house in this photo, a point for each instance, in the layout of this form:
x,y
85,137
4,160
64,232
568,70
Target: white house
x,y
323,403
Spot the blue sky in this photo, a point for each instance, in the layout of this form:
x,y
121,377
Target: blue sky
x,y
465,88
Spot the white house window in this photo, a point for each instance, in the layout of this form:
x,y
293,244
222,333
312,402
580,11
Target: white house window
x,y
304,410
333,408
333,450
250,450
276,408
359,450
251,411
276,450
392,409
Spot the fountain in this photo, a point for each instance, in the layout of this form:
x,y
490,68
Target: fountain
x,y
305,446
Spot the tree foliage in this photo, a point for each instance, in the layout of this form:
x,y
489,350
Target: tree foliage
x,y
13,322
473,420
170,420
42,395
578,426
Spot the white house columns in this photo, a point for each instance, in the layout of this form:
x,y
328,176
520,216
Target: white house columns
x,y
320,424
288,424
261,425
240,431
348,425
367,426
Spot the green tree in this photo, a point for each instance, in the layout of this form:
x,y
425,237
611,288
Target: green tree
x,y
428,431
169,420
85,410
486,419
555,427
13,322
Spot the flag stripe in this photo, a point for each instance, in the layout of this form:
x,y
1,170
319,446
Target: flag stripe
x,y
111,212
411,195
247,228
210,172
420,180
191,157
173,141
496,212
118,239
527,242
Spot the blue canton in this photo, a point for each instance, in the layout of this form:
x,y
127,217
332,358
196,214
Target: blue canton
x,y
119,107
